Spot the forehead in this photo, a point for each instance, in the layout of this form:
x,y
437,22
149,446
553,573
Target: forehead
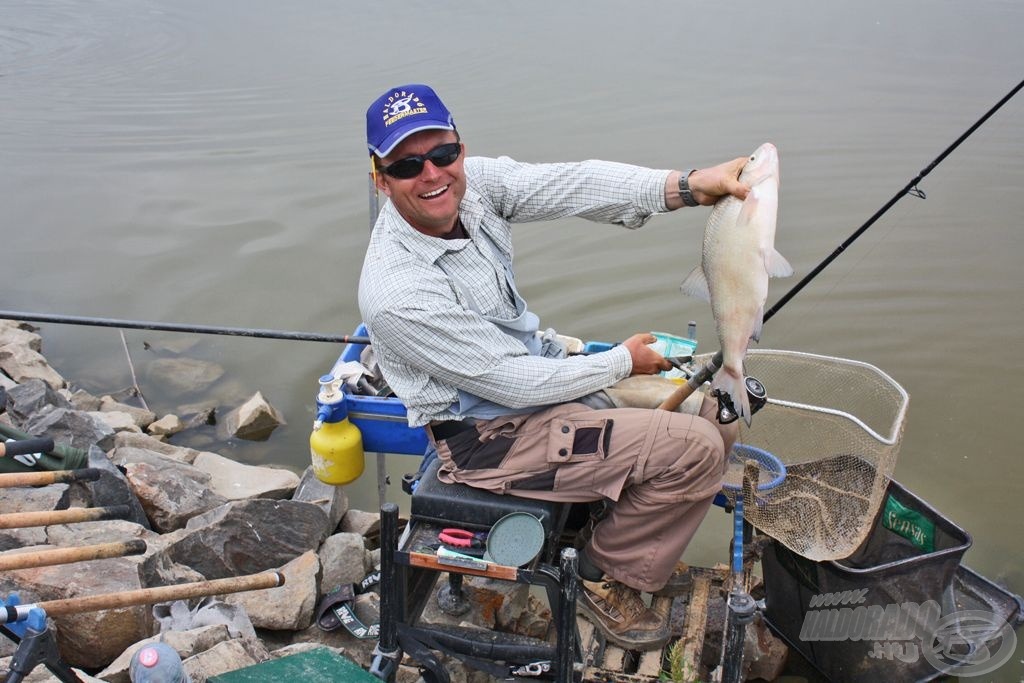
x,y
421,142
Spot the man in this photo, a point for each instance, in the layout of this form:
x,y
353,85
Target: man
x,y
500,400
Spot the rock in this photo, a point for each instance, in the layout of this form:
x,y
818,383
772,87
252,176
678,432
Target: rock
x,y
33,397
245,537
20,538
82,400
168,425
112,488
22,334
183,375
89,640
171,493
332,499
159,569
185,643
90,533
198,415
29,498
345,560
146,442
235,481
253,420
361,522
140,416
226,656
288,607
116,420
21,363
72,428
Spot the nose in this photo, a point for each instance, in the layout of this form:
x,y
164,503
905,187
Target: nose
x,y
429,171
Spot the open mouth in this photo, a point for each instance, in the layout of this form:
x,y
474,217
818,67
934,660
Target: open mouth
x,y
435,193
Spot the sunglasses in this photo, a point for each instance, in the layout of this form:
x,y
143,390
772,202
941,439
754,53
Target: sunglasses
x,y
410,167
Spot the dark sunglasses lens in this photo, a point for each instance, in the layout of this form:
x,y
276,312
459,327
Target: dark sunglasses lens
x,y
410,167
405,168
445,155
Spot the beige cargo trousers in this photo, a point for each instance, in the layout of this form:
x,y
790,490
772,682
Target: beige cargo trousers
x,y
661,468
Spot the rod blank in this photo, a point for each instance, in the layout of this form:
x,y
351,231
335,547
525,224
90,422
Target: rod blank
x,y
16,520
150,596
84,553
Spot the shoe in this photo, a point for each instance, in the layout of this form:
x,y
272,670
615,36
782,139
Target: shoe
x,y
621,615
679,583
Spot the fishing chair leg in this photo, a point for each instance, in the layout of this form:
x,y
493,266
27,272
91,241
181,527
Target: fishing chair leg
x,y
388,654
39,647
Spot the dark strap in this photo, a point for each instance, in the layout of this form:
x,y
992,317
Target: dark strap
x,y
339,603
418,643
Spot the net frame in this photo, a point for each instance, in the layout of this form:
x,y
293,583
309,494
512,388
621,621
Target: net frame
x,y
836,425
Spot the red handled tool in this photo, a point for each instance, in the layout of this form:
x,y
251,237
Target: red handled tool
x,y
460,538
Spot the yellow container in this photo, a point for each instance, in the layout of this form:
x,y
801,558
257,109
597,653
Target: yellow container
x,y
336,449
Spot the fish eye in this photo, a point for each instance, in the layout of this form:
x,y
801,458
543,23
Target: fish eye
x,y
751,157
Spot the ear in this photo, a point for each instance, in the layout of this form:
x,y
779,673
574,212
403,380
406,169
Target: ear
x,y
379,179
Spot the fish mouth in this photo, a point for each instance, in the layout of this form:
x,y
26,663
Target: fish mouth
x,y
434,194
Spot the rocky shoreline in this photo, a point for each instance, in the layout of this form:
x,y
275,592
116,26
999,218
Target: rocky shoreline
x,y
202,517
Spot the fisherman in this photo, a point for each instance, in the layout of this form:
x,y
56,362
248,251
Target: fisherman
x,y
499,398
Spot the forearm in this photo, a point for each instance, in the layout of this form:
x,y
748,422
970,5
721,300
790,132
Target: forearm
x,y
461,350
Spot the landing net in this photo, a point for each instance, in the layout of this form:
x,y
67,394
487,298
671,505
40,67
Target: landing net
x,y
836,425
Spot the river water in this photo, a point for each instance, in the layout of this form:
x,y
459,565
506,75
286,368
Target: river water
x,y
205,163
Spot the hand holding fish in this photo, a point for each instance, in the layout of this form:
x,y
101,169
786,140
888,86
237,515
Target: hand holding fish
x,y
646,361
708,185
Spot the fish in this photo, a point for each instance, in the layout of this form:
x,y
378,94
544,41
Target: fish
x,y
737,259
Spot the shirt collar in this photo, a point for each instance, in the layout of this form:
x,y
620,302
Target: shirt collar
x,y
433,248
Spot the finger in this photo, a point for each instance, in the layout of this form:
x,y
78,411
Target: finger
x,y
739,190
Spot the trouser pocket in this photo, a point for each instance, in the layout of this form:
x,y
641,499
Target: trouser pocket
x,y
577,441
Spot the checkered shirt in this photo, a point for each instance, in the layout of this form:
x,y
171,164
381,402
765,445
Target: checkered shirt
x,y
429,342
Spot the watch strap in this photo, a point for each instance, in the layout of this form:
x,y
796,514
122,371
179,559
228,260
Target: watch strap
x,y
684,188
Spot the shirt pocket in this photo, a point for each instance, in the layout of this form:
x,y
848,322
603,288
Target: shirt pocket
x,y
574,441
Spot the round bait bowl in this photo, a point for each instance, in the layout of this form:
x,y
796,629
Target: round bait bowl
x,y
768,463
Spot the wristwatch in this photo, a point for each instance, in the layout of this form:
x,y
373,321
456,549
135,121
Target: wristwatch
x,y
684,188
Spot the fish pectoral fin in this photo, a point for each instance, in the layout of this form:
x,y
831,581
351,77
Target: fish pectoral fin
x,y
777,265
696,285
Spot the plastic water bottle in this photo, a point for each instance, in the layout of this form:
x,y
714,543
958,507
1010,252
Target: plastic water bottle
x,y
335,446
157,663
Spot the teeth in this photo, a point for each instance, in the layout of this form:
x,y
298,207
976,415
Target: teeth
x,y
434,193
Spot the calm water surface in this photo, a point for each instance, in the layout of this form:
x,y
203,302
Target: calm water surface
x,y
204,162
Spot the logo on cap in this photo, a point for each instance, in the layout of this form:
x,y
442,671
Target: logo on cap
x,y
402,104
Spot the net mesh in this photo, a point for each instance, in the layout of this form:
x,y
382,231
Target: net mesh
x,y
836,426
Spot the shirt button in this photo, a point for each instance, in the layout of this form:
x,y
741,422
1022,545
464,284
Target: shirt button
x,y
563,452
565,429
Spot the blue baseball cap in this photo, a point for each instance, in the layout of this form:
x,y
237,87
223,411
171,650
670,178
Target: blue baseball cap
x,y
402,111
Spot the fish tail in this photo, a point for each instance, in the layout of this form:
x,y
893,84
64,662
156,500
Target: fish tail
x,y
730,381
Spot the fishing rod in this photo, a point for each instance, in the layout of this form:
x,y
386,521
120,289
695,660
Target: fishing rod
x,y
705,373
182,327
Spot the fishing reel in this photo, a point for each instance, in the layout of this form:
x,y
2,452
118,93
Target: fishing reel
x,y
757,396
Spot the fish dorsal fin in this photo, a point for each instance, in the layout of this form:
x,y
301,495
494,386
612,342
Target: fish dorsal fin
x,y
696,285
777,265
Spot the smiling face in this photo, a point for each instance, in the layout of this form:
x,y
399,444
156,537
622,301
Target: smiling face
x,y
430,201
